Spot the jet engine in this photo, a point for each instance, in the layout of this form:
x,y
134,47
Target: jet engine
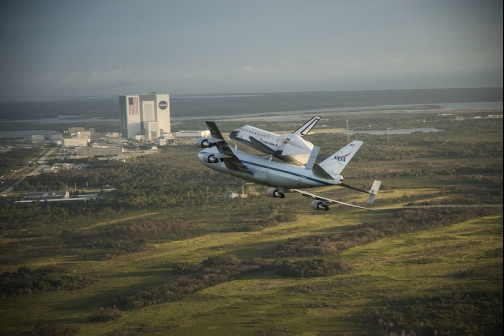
x,y
272,192
319,205
210,158
204,143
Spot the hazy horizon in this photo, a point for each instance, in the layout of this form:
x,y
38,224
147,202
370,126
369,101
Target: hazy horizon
x,y
56,98
94,48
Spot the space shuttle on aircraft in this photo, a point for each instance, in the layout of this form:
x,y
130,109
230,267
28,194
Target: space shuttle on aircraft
x,y
283,177
290,147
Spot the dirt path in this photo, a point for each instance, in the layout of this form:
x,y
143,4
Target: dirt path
x,y
121,219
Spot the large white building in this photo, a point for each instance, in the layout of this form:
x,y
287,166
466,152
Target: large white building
x,y
145,116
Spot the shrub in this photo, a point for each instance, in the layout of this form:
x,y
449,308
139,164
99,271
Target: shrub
x,y
105,314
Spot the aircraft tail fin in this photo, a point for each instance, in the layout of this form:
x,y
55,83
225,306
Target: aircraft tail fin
x,y
315,167
373,192
307,126
335,164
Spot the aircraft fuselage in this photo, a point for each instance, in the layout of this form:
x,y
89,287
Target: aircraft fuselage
x,y
266,172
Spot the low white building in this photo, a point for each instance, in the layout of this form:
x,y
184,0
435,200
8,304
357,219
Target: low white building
x,y
160,142
83,134
193,134
76,142
54,137
46,195
99,151
34,138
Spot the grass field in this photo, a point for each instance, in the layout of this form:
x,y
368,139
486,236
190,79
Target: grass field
x,y
423,271
406,265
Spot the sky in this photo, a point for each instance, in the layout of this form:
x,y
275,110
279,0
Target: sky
x,y
115,47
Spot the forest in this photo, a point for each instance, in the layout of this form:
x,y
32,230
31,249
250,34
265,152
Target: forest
x,y
166,253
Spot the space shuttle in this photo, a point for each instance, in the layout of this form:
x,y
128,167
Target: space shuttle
x,y
290,147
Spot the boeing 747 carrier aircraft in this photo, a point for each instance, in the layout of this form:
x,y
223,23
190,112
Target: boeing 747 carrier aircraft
x,y
282,177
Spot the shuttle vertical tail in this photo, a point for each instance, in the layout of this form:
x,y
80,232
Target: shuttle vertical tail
x,y
307,126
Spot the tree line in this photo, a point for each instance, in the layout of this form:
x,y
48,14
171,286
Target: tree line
x,y
31,281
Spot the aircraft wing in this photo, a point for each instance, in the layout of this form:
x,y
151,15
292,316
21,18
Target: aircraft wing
x,y
230,159
327,200
353,188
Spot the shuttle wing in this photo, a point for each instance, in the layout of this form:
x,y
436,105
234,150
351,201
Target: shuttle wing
x,y
230,159
260,146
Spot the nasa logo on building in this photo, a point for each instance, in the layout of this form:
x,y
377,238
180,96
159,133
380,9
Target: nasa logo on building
x,y
163,105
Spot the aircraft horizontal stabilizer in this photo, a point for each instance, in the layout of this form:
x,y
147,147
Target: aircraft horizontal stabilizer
x,y
313,157
373,192
320,172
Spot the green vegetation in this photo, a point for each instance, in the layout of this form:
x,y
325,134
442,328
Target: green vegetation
x,y
13,159
26,281
165,253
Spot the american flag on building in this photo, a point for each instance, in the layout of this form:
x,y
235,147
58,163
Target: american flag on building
x,y
133,106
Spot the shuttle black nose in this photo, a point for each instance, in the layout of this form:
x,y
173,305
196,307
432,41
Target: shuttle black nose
x,y
233,135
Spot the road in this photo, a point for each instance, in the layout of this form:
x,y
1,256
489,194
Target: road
x,y
5,148
41,165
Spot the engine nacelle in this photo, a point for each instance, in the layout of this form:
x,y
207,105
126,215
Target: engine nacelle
x,y
319,205
210,158
203,143
272,192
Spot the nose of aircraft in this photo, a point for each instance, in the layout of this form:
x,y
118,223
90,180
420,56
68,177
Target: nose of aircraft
x,y
234,134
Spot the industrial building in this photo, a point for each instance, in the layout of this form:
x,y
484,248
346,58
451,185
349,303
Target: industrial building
x,y
46,195
145,117
40,138
193,134
107,151
75,142
34,138
53,137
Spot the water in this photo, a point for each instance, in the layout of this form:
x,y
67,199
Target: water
x,y
473,106
273,106
396,131
442,107
60,120
23,133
